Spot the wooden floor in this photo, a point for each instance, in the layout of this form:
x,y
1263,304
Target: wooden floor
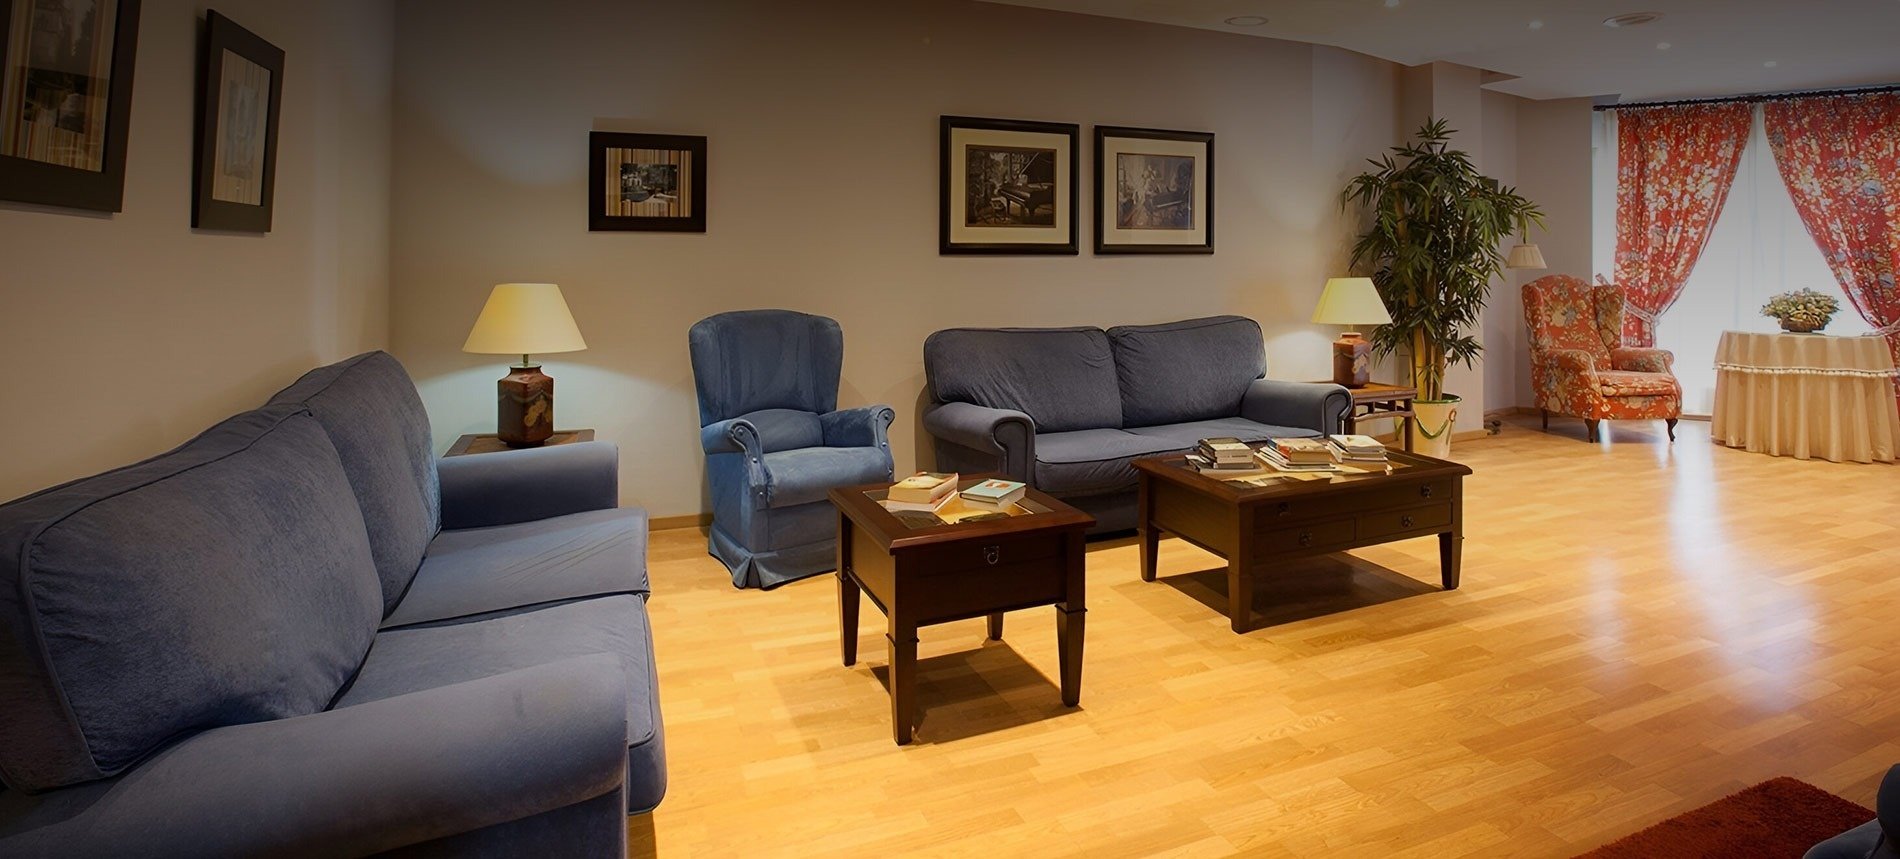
x,y
1642,628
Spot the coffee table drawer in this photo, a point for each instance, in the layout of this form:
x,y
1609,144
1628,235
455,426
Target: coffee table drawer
x,y
1375,525
965,555
1312,536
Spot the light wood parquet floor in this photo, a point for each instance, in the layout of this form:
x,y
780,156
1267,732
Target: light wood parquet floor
x,y
1642,629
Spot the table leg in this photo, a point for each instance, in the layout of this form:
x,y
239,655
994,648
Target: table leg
x,y
1240,583
1405,425
902,639
996,626
1150,535
1451,550
848,595
1069,626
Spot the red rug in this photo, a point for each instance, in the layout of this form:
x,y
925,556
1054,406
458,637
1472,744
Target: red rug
x,y
1779,817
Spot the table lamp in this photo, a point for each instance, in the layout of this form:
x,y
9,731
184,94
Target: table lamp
x,y
524,319
1351,301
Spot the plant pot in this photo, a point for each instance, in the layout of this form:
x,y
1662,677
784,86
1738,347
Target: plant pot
x,y
1793,327
1431,427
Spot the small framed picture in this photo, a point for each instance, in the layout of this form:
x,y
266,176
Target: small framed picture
x,y
241,87
66,101
646,182
1007,186
1154,191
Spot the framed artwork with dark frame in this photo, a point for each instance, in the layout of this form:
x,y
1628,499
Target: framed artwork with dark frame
x,y
66,101
240,96
1154,191
1007,186
646,182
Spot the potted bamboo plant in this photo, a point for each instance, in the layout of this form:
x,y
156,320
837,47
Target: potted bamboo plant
x,y
1434,245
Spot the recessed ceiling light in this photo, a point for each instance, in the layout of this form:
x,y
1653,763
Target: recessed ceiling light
x,y
1246,20
1391,4
1770,64
1537,25
1631,19
1662,46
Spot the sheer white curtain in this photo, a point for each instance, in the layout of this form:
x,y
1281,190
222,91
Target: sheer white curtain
x,y
1758,248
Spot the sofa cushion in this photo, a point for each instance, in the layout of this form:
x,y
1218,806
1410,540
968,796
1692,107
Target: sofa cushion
x,y
410,660
1088,461
1186,371
1621,383
805,475
371,410
1063,378
225,582
478,571
1184,436
786,429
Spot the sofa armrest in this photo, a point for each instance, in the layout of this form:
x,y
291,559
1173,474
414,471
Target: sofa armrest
x,y
1006,434
1643,360
355,780
733,435
1318,406
524,485
1573,363
861,427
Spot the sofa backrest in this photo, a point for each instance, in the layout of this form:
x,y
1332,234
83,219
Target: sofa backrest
x,y
228,581
750,360
1191,370
374,416
1063,378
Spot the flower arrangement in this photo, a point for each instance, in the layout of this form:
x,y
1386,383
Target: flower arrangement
x,y
1802,311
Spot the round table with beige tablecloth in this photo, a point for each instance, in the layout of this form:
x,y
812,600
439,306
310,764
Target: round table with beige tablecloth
x,y
1806,396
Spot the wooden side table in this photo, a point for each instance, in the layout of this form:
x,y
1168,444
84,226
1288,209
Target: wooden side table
x,y
1378,401
488,442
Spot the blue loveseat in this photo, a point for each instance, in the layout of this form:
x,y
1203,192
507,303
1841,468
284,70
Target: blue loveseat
x,y
1068,410
299,634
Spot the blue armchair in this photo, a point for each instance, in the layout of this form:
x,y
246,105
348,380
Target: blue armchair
x,y
776,441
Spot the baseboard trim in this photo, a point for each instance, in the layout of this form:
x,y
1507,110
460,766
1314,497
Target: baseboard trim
x,y
690,520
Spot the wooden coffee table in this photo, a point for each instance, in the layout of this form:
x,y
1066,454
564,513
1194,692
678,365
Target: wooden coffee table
x,y
1256,526
933,574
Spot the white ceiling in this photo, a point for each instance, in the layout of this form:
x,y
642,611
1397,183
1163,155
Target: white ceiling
x,y
1715,47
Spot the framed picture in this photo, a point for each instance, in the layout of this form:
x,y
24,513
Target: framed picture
x,y
1008,187
241,87
646,182
1154,191
66,100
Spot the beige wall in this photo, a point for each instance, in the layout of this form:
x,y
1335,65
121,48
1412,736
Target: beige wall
x,y
125,335
1553,168
822,119
1504,350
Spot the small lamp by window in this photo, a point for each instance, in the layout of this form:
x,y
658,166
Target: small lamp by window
x,y
524,319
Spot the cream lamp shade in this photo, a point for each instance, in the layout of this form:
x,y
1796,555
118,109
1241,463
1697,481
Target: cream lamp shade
x,y
1525,256
1351,301
524,319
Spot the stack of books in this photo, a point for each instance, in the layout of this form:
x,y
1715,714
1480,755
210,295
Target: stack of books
x,y
922,492
995,494
1298,454
1225,458
1356,448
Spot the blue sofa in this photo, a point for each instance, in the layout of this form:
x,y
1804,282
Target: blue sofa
x,y
776,441
1068,410
301,634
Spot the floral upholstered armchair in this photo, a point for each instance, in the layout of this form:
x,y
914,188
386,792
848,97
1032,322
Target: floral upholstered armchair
x,y
1579,366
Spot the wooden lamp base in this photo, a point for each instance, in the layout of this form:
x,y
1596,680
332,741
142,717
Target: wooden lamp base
x,y
525,407
1352,360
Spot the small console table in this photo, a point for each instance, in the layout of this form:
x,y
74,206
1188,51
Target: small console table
x,y
1806,395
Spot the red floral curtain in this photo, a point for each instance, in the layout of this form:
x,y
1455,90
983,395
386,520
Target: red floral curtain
x,y
1675,166
1840,156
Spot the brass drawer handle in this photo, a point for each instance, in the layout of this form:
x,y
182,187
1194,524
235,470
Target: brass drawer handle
x,y
1405,522
1283,509
1306,538
992,554
1425,491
